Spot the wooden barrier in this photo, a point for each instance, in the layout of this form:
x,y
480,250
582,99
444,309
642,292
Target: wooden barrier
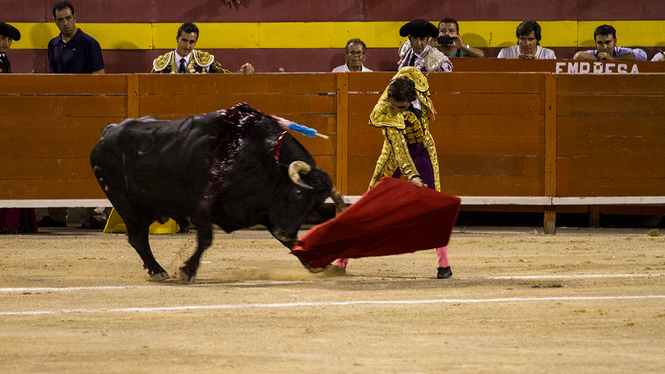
x,y
506,141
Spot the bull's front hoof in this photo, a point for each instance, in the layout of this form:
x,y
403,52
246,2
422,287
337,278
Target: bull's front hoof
x,y
159,277
186,278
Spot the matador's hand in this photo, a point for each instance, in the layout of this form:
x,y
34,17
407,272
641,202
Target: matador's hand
x,y
416,181
231,3
246,69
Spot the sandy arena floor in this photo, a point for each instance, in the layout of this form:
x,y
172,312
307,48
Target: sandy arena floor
x,y
582,301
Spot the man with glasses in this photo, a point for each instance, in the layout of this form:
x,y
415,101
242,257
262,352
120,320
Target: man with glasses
x,y
403,113
355,54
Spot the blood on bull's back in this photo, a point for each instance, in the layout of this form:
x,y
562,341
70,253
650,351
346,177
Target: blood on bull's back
x,y
234,167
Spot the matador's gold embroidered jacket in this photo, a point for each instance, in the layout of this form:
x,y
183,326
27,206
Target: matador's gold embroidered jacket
x,y
395,153
198,63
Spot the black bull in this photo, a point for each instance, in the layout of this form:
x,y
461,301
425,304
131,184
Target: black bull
x,y
235,168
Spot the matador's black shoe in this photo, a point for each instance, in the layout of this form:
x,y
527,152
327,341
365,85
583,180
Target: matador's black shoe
x,y
444,273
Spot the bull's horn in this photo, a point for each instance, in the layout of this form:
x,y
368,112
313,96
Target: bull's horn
x,y
295,169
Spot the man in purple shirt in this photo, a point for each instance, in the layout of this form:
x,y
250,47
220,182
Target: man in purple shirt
x,y
606,49
73,51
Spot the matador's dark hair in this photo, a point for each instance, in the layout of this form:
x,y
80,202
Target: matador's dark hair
x,y
402,89
188,28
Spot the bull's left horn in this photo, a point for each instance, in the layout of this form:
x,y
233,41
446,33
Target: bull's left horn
x,y
295,169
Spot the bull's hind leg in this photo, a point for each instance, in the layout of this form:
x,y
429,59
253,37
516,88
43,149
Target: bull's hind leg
x,y
188,272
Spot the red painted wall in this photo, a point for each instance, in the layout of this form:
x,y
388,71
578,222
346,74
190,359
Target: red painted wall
x,y
308,60
339,10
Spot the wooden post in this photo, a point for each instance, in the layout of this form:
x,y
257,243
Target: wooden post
x,y
342,147
550,150
133,108
594,216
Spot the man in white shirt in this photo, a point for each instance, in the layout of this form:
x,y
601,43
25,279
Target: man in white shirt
x,y
528,40
355,54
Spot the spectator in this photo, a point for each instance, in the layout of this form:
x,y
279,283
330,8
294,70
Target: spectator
x,y
186,59
13,220
8,33
355,54
528,44
403,113
605,37
455,47
660,56
73,51
416,51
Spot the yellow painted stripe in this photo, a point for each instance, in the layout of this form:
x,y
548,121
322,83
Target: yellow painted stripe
x,y
254,35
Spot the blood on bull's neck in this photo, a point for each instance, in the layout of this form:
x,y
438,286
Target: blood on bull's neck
x,y
227,144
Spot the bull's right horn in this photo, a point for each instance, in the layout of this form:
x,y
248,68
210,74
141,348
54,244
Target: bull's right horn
x,y
295,169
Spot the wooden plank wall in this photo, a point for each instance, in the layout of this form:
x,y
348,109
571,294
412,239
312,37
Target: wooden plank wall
x,y
307,99
48,126
610,135
497,134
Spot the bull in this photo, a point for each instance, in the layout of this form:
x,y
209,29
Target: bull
x,y
235,168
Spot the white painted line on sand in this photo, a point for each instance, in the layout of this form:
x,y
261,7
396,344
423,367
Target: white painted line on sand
x,y
332,303
324,280
563,276
56,289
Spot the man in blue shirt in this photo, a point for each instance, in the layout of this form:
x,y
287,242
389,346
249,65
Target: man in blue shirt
x,y
73,51
605,37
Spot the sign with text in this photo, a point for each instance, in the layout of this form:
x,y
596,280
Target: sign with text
x,y
596,67
556,66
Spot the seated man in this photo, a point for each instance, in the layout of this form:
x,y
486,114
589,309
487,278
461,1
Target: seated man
x,y
8,33
355,54
605,37
416,50
185,59
450,43
528,40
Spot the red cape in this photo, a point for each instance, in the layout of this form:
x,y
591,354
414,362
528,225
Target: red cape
x,y
393,217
